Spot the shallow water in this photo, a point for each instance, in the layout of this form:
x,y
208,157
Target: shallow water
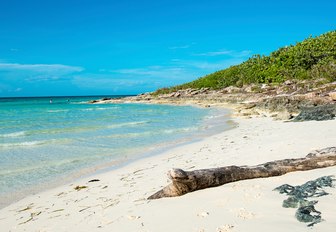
x,y
41,142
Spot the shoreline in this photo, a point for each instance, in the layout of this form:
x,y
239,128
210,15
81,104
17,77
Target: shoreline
x,y
291,100
118,200
154,150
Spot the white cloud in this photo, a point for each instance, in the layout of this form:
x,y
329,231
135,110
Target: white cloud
x,y
113,84
136,79
153,71
185,46
5,88
40,67
47,77
179,71
222,52
180,47
38,72
209,67
216,53
244,53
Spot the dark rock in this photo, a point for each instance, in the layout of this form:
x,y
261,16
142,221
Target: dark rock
x,y
317,113
106,98
195,92
172,94
177,94
78,187
249,106
204,90
93,101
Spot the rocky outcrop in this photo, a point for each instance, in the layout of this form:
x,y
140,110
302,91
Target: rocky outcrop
x,y
332,96
317,113
282,102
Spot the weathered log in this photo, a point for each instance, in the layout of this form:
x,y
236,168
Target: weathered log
x,y
188,181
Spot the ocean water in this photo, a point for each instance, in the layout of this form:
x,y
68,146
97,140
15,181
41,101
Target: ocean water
x,y
43,142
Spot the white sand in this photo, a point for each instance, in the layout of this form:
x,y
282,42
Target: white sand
x,y
118,201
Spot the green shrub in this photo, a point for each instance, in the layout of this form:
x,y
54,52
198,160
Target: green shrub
x,y
313,58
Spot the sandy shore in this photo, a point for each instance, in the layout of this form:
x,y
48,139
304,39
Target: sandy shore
x,y
117,202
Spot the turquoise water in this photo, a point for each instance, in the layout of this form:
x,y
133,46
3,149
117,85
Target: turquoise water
x,y
42,142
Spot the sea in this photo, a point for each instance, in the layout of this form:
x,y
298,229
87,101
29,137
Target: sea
x,y
47,141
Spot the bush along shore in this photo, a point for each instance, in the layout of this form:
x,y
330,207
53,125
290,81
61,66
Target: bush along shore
x,y
312,59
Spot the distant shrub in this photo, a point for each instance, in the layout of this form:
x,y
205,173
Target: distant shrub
x,y
313,58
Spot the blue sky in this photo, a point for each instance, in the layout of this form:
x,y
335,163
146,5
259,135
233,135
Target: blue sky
x,y
86,47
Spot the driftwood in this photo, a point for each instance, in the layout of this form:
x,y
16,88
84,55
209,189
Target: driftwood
x,y
188,181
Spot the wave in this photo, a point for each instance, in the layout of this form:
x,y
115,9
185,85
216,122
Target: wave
x,y
56,111
178,130
130,135
53,131
100,108
25,144
41,166
152,133
14,134
35,143
127,124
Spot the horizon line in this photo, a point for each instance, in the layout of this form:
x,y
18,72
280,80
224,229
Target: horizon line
x,y
60,96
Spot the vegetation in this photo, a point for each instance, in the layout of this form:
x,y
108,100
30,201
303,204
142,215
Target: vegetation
x,y
313,58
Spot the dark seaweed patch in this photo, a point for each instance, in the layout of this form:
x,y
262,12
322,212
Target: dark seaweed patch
x,y
298,198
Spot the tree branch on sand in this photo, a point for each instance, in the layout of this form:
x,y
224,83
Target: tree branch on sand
x,y
188,181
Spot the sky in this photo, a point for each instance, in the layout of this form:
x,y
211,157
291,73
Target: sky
x,y
101,47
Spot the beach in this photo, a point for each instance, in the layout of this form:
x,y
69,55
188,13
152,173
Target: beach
x,y
167,116
45,145
117,200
